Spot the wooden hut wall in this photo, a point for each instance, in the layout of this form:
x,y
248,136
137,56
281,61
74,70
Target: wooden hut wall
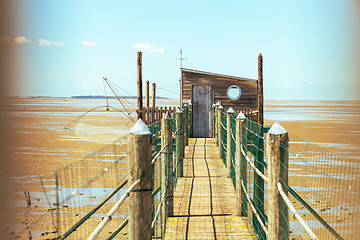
x,y
248,98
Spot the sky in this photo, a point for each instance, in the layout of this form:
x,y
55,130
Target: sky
x,y
64,48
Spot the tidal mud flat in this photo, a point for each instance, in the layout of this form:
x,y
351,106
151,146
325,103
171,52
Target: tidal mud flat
x,y
38,144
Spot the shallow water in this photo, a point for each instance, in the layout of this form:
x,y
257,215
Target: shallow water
x,y
51,120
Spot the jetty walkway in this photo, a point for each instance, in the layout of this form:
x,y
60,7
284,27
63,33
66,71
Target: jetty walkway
x,y
204,200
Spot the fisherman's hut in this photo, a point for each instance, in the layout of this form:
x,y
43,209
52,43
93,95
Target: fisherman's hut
x,y
203,89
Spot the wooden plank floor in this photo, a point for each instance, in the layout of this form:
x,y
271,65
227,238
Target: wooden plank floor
x,y
204,199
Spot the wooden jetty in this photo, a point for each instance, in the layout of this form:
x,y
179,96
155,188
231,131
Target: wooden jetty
x,y
204,200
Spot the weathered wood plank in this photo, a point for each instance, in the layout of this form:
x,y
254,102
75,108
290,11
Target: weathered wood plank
x,y
202,101
204,199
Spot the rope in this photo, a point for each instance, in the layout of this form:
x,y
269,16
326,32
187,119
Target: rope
x,y
288,203
222,143
158,154
262,137
158,210
175,133
253,166
254,210
232,136
105,79
222,125
112,211
157,133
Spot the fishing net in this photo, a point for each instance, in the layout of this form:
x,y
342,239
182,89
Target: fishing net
x,y
102,125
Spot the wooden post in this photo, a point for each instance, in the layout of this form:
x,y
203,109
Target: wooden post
x,y
139,84
277,154
153,103
259,163
229,113
214,122
260,90
180,118
186,123
220,108
241,203
190,119
167,165
177,159
139,151
147,94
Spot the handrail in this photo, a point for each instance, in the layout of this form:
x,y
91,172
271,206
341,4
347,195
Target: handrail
x,y
254,210
112,211
288,203
158,210
158,154
253,166
87,216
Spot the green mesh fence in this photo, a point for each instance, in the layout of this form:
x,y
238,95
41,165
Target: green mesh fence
x,y
223,135
86,190
324,189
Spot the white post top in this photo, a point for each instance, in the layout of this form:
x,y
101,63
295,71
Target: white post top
x,y
230,110
241,116
178,111
220,107
217,104
140,128
167,115
277,129
213,105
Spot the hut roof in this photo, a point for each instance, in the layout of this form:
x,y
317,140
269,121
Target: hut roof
x,y
218,74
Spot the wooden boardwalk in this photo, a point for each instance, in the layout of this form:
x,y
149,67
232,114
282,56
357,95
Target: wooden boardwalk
x,y
204,200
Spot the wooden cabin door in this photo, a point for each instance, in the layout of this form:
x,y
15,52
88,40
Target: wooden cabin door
x,y
202,111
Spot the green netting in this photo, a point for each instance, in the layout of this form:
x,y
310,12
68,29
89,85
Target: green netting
x,y
323,186
85,183
223,137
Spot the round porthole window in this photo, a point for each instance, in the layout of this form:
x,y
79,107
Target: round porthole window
x,y
233,92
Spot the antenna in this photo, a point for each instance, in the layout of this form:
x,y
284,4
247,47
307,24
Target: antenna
x,y
180,80
181,58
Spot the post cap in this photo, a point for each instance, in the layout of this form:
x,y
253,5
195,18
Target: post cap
x,y
220,107
213,105
217,104
167,115
277,129
230,110
178,111
241,116
140,128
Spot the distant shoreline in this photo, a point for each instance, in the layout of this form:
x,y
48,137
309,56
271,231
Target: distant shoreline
x,y
161,98
85,97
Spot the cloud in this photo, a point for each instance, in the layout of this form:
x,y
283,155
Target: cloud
x,y
147,47
85,85
46,43
5,40
58,44
21,40
88,44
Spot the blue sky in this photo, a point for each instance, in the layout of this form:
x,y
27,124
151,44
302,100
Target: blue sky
x,y
310,48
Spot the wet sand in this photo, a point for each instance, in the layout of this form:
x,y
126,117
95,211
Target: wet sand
x,y
38,144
